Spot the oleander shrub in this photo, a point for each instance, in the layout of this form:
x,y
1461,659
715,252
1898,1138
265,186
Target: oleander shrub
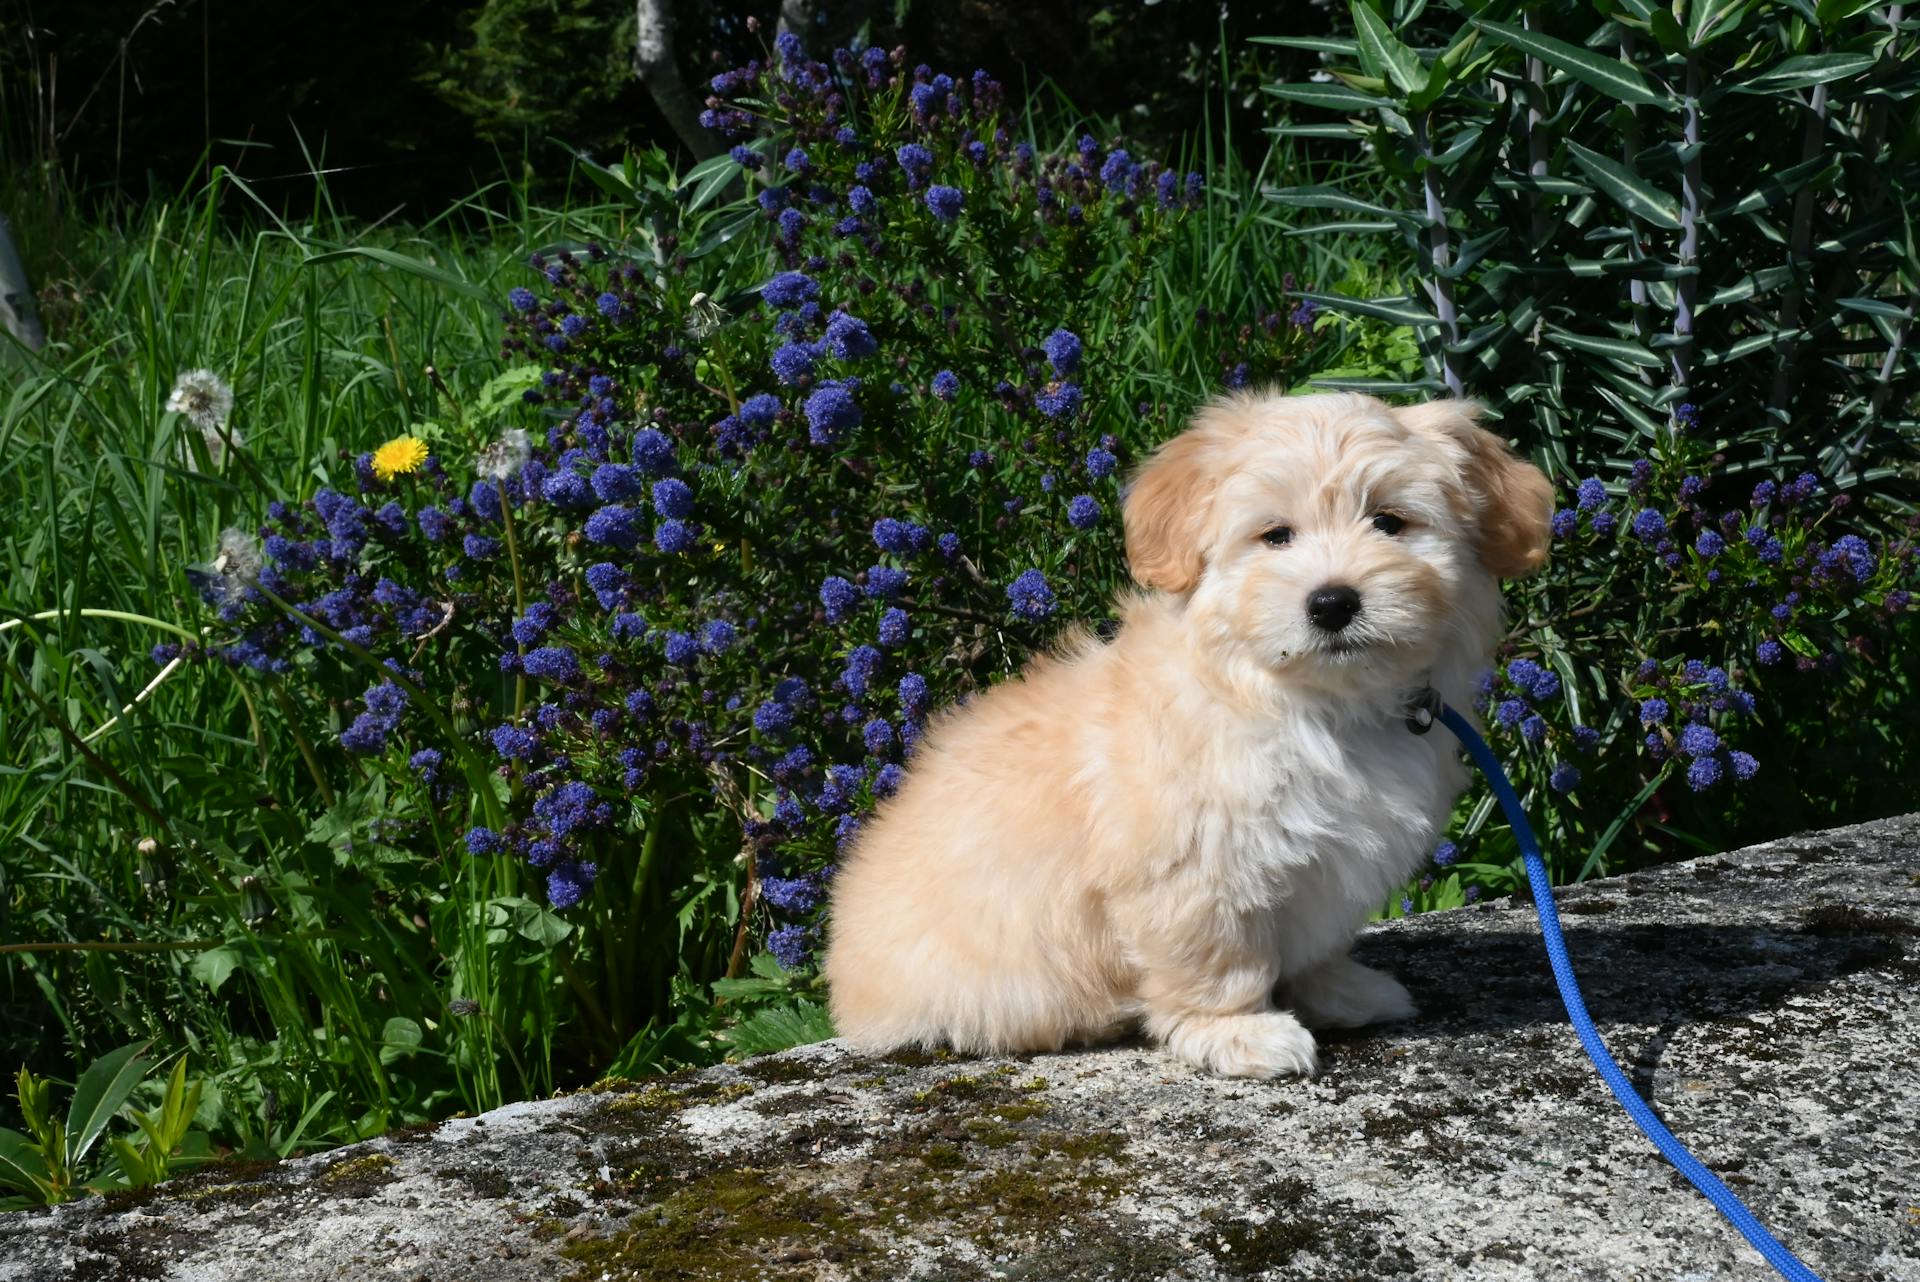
x,y
1672,249
600,669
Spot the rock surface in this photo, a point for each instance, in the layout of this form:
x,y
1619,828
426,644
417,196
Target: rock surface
x,y
1765,999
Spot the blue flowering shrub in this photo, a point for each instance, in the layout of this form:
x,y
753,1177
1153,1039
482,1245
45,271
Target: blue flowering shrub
x,y
656,623
1706,659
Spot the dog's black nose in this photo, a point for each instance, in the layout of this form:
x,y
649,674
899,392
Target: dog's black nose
x,y
1331,609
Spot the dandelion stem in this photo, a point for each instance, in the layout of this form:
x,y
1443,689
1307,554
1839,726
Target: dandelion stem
x,y
300,740
519,596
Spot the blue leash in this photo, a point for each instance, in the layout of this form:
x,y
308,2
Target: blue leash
x,y
1785,1262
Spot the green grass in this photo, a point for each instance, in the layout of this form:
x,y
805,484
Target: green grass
x,y
203,869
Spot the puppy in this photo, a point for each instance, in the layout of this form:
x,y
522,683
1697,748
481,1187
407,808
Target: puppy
x,y
1175,829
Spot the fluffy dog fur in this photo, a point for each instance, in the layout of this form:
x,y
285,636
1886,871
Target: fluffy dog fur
x,y
1182,830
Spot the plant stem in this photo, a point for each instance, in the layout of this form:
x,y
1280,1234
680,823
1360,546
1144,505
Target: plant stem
x,y
1439,255
1798,258
519,596
1686,287
300,740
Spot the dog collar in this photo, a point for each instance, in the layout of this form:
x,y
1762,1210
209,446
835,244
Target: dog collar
x,y
1423,708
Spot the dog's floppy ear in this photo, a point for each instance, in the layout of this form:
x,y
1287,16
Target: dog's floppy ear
x,y
1510,501
1166,509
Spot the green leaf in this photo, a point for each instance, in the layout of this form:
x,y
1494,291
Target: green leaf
x,y
214,966
780,1028
1618,349
1383,52
401,262
1805,70
1612,77
99,1093
1834,12
22,1166
1875,307
1340,229
504,389
1332,97
708,179
399,1039
1628,190
1401,311
1313,44
1777,187
532,921
1619,823
1331,198
1708,20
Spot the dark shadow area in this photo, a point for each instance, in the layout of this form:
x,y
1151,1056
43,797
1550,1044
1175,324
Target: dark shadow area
x,y
1496,981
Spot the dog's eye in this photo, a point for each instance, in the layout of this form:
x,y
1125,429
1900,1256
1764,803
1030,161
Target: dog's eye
x,y
1388,523
1279,536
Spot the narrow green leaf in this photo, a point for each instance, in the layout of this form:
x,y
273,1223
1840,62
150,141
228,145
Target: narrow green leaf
x,y
1764,281
1332,97
1401,311
1383,50
1316,131
708,179
1380,386
401,262
1610,76
1875,307
1619,823
1777,187
1332,198
1313,44
1628,190
1618,349
1549,185
1744,348
99,1093
21,1165
1806,70
1322,229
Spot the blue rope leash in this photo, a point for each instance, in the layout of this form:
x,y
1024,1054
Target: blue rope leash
x,y
1785,1262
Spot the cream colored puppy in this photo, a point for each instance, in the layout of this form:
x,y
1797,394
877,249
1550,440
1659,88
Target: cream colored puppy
x,y
1160,831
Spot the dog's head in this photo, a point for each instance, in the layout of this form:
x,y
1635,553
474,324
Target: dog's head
x,y
1333,537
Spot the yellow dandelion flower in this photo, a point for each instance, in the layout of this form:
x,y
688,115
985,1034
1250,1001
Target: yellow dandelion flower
x,y
399,456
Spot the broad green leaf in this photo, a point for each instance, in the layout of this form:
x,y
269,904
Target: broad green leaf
x,y
1618,349
99,1093
213,966
401,262
1383,52
1666,31
1332,97
1806,70
1610,76
1628,190
504,389
1711,19
399,1038
1401,311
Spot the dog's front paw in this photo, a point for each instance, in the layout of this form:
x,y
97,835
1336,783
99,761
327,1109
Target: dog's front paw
x,y
1268,1044
1344,994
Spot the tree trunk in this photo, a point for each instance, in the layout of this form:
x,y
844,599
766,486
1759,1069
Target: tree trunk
x,y
17,309
654,63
